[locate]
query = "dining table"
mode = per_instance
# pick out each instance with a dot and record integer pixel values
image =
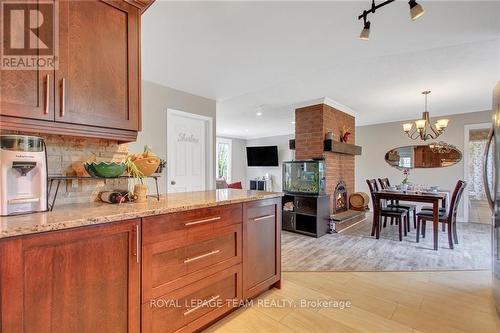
(430, 197)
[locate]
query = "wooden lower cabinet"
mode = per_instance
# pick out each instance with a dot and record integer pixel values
(175, 272)
(81, 280)
(261, 246)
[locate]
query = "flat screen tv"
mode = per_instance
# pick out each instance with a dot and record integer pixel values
(263, 156)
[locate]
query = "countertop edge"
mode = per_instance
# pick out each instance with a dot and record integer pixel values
(121, 216)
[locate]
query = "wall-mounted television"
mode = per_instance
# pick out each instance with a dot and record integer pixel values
(262, 156)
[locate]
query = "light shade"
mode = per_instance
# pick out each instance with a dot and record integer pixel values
(420, 124)
(442, 123)
(407, 127)
(416, 10)
(365, 33)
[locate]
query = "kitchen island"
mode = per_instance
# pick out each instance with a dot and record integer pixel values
(174, 265)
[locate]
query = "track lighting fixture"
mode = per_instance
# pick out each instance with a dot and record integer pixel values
(416, 10)
(365, 33)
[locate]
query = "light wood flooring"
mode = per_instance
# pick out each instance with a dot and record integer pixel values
(430, 302)
(356, 250)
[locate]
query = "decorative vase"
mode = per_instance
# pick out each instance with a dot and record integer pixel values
(404, 187)
(140, 192)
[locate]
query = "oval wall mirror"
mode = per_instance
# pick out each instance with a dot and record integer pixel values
(434, 155)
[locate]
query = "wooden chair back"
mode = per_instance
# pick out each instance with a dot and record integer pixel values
(455, 200)
(372, 185)
(384, 183)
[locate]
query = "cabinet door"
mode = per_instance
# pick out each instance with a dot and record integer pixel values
(98, 78)
(27, 93)
(85, 280)
(261, 246)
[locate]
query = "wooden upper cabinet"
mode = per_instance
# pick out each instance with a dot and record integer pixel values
(97, 82)
(95, 89)
(27, 94)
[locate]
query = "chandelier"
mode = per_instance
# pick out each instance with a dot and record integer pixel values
(423, 128)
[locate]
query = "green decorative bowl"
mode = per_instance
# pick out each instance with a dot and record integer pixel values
(105, 169)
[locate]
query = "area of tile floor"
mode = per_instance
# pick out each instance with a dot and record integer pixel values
(356, 250)
(479, 212)
(430, 302)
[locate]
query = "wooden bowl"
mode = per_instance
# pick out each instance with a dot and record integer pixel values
(147, 165)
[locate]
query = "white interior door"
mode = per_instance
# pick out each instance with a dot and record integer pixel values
(187, 157)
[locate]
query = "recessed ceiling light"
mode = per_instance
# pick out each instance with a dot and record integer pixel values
(259, 114)
(246, 129)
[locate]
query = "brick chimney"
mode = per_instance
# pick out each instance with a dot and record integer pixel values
(312, 123)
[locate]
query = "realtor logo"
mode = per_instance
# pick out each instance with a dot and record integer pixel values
(29, 33)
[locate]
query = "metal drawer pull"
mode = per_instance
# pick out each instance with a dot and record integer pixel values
(137, 244)
(202, 305)
(47, 95)
(23, 200)
(63, 97)
(263, 217)
(201, 256)
(202, 221)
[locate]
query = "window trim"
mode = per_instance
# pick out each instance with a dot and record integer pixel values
(229, 142)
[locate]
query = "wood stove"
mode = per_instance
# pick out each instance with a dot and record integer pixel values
(340, 203)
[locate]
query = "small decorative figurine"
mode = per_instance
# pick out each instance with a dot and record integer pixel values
(344, 136)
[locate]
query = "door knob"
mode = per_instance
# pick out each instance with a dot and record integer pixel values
(172, 182)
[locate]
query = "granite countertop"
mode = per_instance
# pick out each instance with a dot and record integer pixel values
(77, 215)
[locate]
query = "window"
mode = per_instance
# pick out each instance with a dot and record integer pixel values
(405, 162)
(224, 159)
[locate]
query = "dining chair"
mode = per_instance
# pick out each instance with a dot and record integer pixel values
(441, 210)
(449, 218)
(411, 208)
(399, 214)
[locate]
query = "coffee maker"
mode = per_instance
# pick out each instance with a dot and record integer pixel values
(23, 174)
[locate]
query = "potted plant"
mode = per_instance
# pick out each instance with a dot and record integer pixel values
(140, 190)
(405, 182)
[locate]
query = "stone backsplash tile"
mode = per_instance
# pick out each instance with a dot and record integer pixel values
(66, 154)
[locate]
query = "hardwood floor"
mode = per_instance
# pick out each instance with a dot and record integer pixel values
(355, 250)
(429, 302)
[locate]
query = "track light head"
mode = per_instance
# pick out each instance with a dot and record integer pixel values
(416, 10)
(365, 33)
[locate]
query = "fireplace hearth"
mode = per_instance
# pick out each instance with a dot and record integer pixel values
(340, 198)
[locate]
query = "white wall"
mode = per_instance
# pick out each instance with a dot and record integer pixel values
(376, 140)
(156, 99)
(284, 154)
(238, 161)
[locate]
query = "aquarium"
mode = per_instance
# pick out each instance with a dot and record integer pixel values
(304, 177)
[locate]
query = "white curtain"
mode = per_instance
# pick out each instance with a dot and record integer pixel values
(475, 182)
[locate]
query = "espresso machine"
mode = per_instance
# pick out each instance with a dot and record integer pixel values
(23, 174)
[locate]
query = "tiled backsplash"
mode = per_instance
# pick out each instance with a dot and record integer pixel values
(66, 154)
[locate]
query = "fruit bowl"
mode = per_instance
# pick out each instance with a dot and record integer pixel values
(147, 165)
(105, 169)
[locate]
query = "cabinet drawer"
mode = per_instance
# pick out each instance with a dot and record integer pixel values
(167, 266)
(190, 308)
(187, 227)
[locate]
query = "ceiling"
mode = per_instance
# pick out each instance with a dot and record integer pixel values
(266, 57)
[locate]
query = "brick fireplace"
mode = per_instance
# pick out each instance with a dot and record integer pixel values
(312, 123)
